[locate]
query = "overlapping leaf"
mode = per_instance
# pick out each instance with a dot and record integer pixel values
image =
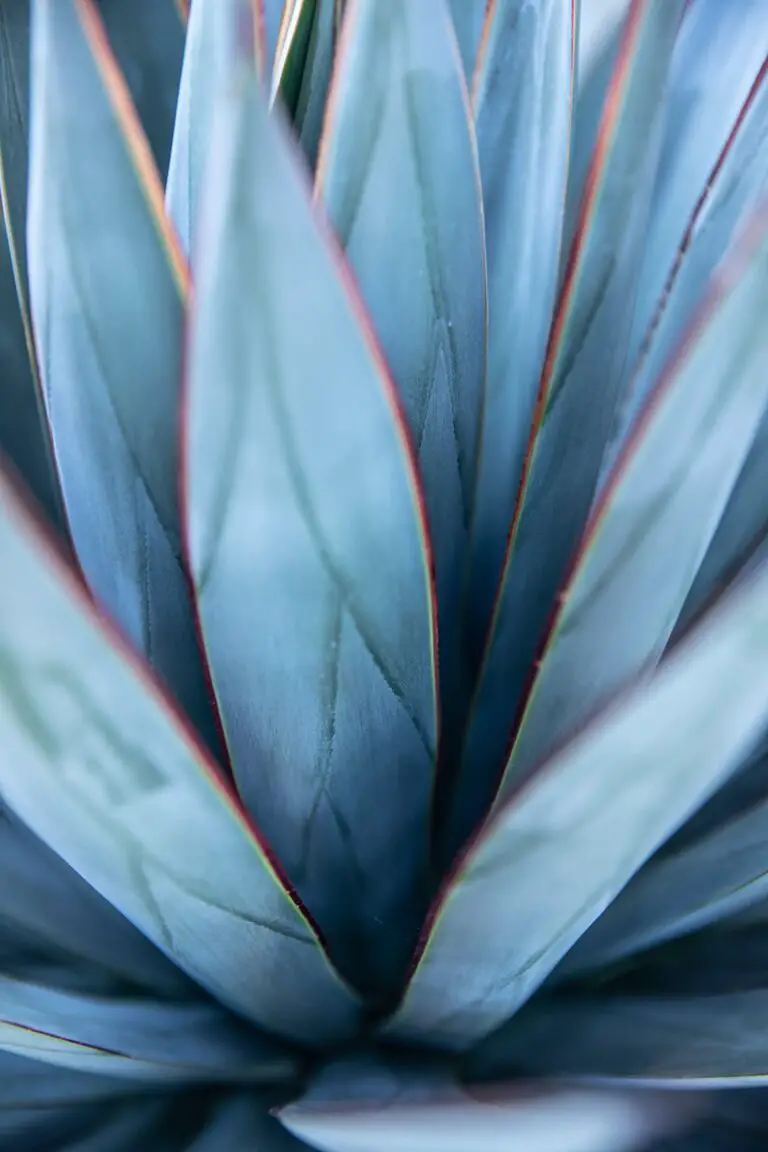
(557, 853)
(308, 551)
(398, 175)
(108, 288)
(712, 1041)
(125, 797)
(577, 394)
(24, 434)
(522, 95)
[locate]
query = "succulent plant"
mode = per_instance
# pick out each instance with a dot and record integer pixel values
(383, 596)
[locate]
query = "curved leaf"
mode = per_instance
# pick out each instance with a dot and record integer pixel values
(721, 49)
(707, 1042)
(718, 877)
(578, 388)
(359, 1107)
(42, 899)
(108, 288)
(522, 99)
(398, 147)
(147, 38)
(558, 852)
(308, 553)
(665, 496)
(99, 767)
(35, 1085)
(208, 58)
(167, 1040)
(24, 432)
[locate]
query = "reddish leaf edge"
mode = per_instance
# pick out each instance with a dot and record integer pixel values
(366, 327)
(719, 288)
(30, 525)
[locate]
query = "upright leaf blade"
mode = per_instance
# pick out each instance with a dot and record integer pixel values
(558, 852)
(308, 553)
(665, 496)
(24, 432)
(468, 26)
(578, 388)
(109, 290)
(398, 147)
(522, 96)
(97, 765)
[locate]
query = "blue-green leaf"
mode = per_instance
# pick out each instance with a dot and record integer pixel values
(578, 388)
(316, 78)
(242, 1121)
(664, 497)
(148, 1039)
(27, 1083)
(719, 876)
(398, 175)
(98, 766)
(721, 49)
(292, 51)
(367, 1106)
(522, 101)
(43, 900)
(558, 852)
(689, 1042)
(273, 15)
(24, 433)
(308, 551)
(468, 16)
(207, 63)
(108, 288)
(147, 37)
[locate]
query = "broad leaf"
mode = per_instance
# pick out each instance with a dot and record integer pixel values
(147, 37)
(168, 1040)
(398, 147)
(558, 852)
(522, 99)
(690, 1042)
(369, 1107)
(99, 767)
(308, 551)
(108, 288)
(665, 496)
(718, 877)
(24, 433)
(43, 901)
(578, 388)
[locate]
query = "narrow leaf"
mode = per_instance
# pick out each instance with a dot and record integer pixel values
(99, 767)
(308, 552)
(522, 97)
(468, 25)
(273, 15)
(242, 1121)
(721, 49)
(316, 78)
(398, 147)
(578, 387)
(147, 38)
(718, 877)
(184, 1040)
(108, 288)
(24, 432)
(292, 51)
(27, 1083)
(709, 1042)
(557, 853)
(665, 496)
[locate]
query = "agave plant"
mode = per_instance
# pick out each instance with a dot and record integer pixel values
(383, 596)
